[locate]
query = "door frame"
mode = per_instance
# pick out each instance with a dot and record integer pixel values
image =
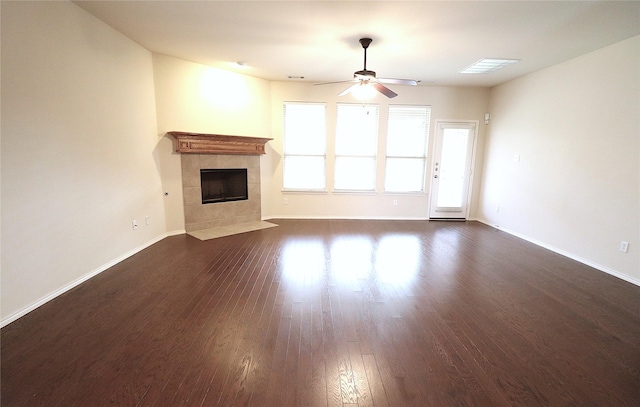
(472, 164)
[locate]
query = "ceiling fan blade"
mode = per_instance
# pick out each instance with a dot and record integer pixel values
(384, 90)
(349, 89)
(394, 81)
(332, 83)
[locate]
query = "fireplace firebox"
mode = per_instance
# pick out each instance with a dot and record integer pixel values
(223, 185)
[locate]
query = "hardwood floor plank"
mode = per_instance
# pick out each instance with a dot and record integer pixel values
(378, 394)
(279, 347)
(333, 313)
(313, 344)
(363, 389)
(331, 356)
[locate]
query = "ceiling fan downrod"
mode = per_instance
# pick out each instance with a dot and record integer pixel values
(365, 42)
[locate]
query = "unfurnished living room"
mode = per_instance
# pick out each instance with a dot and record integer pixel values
(312, 203)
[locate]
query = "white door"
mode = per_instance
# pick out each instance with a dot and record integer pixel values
(451, 170)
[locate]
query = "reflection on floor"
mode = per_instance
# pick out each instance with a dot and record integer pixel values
(207, 234)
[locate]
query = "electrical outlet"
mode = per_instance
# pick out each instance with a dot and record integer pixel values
(147, 220)
(497, 209)
(395, 202)
(624, 247)
(285, 201)
(135, 225)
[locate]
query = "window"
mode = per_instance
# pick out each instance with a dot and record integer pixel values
(304, 147)
(407, 137)
(356, 147)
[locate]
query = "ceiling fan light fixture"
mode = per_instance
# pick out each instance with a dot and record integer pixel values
(363, 91)
(487, 65)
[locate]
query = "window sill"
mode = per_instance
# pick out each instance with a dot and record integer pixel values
(353, 192)
(305, 191)
(420, 193)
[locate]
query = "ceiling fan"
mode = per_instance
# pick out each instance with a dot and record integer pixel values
(366, 78)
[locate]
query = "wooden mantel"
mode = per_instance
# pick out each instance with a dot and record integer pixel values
(201, 143)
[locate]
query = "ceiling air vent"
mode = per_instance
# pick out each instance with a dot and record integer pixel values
(488, 65)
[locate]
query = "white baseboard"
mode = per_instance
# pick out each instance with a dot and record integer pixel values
(175, 233)
(340, 218)
(84, 278)
(566, 254)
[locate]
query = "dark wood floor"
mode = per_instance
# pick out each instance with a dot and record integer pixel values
(334, 313)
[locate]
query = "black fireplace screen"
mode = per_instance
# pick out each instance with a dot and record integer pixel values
(222, 185)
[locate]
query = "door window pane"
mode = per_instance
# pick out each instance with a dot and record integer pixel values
(452, 167)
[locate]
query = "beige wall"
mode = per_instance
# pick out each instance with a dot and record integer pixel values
(447, 103)
(196, 98)
(576, 188)
(79, 159)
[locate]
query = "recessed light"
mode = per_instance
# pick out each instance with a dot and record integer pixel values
(489, 65)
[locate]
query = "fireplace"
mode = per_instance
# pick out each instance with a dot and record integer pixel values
(223, 185)
(199, 215)
(219, 155)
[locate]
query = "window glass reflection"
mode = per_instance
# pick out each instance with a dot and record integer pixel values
(302, 260)
(398, 258)
(351, 258)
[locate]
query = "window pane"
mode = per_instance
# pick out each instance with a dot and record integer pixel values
(356, 147)
(304, 146)
(355, 173)
(407, 140)
(304, 172)
(408, 131)
(357, 130)
(408, 137)
(304, 128)
(404, 175)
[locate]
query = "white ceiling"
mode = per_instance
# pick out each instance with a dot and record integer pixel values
(430, 41)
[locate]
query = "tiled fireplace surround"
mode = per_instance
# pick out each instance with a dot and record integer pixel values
(198, 216)
(213, 215)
